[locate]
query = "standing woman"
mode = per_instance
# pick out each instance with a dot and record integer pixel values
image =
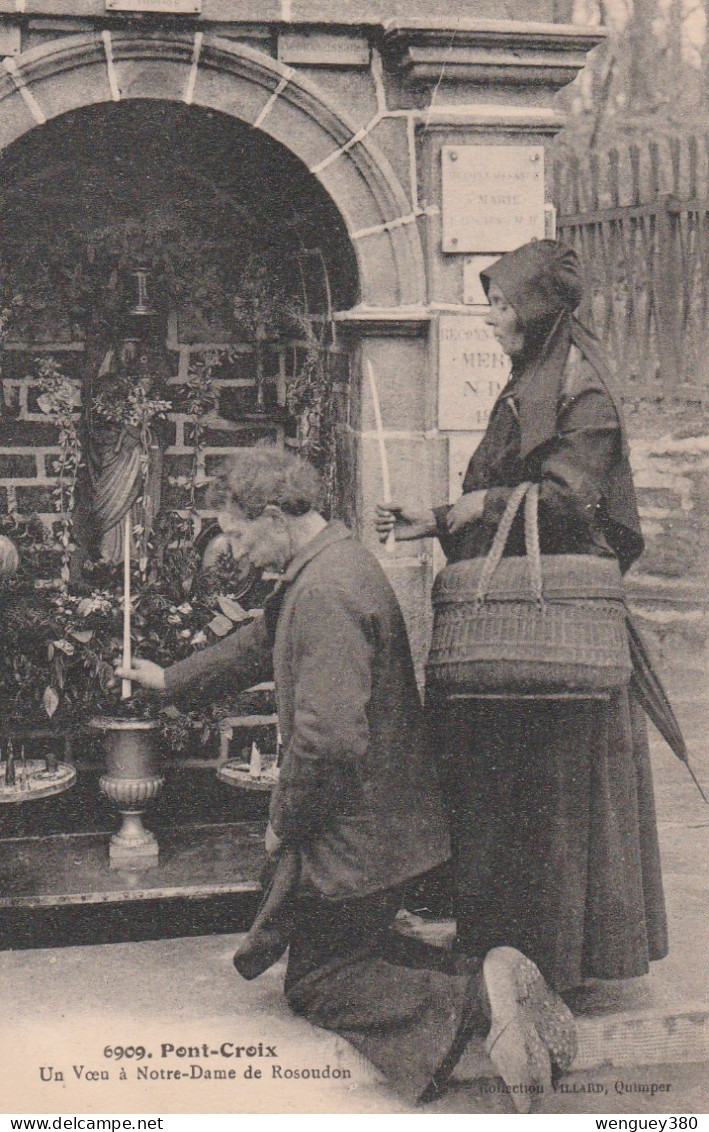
(551, 803)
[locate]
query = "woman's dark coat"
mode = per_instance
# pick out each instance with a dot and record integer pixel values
(551, 804)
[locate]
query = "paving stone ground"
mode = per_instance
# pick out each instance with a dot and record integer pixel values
(64, 1008)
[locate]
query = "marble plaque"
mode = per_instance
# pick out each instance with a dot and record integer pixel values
(492, 197)
(472, 370)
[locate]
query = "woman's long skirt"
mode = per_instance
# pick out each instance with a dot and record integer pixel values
(554, 834)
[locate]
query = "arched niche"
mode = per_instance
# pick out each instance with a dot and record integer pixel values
(192, 187)
(220, 75)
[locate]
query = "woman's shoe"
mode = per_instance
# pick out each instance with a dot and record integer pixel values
(528, 1023)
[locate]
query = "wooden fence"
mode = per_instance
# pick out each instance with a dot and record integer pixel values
(639, 218)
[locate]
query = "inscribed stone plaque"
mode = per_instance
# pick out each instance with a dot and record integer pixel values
(493, 197)
(472, 370)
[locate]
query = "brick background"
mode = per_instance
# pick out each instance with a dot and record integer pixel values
(29, 443)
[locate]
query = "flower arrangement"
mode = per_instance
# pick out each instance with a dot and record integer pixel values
(61, 646)
(63, 640)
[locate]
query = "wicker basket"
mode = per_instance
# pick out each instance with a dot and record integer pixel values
(528, 625)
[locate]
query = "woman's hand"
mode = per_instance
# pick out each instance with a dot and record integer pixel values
(405, 522)
(465, 511)
(144, 672)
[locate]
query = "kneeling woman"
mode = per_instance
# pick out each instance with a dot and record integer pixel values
(551, 803)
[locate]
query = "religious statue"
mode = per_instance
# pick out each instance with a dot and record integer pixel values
(117, 450)
(123, 451)
(122, 406)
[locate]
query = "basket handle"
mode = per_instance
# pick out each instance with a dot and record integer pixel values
(530, 493)
(531, 541)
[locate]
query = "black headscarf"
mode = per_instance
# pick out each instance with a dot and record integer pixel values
(542, 281)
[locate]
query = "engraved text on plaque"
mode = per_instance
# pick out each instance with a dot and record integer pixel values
(472, 370)
(493, 197)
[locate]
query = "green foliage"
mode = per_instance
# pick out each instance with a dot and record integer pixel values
(78, 283)
(131, 402)
(260, 301)
(201, 397)
(311, 396)
(60, 399)
(60, 649)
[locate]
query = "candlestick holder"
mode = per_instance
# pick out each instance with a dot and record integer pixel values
(34, 779)
(143, 307)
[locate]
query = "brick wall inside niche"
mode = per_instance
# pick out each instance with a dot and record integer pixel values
(237, 421)
(29, 442)
(29, 447)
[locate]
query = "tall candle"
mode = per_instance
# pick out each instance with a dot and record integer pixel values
(126, 686)
(390, 545)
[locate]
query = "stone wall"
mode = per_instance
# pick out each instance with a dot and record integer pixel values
(365, 97)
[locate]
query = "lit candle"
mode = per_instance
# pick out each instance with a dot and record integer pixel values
(126, 686)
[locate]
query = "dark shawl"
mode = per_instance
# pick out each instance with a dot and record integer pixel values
(542, 281)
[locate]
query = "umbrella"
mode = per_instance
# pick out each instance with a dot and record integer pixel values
(651, 695)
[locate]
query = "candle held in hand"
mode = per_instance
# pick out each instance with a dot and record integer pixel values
(390, 544)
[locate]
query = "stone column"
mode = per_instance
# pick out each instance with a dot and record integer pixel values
(468, 83)
(395, 343)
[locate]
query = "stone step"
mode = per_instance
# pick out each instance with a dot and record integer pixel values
(644, 1038)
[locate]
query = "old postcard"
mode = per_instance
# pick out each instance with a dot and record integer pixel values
(353, 533)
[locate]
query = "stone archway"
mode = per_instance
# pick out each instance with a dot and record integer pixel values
(388, 327)
(220, 217)
(218, 74)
